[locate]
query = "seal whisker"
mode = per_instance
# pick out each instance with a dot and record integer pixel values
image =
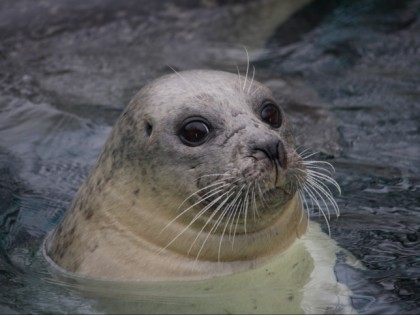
(326, 192)
(315, 185)
(256, 90)
(210, 175)
(303, 151)
(252, 79)
(217, 224)
(238, 204)
(323, 170)
(306, 154)
(308, 190)
(303, 208)
(196, 217)
(310, 163)
(312, 198)
(227, 209)
(236, 215)
(240, 211)
(218, 185)
(181, 76)
(254, 200)
(305, 205)
(233, 213)
(233, 205)
(315, 191)
(262, 197)
(319, 179)
(236, 211)
(209, 220)
(214, 226)
(247, 68)
(246, 203)
(239, 75)
(185, 80)
(215, 192)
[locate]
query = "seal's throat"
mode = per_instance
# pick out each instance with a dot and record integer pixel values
(229, 236)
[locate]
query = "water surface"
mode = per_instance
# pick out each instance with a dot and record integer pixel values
(352, 72)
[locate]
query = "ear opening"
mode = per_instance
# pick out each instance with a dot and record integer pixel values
(148, 128)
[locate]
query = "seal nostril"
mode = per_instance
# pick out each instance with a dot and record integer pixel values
(275, 151)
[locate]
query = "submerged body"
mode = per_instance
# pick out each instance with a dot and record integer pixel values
(300, 280)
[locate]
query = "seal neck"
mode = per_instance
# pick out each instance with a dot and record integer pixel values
(191, 240)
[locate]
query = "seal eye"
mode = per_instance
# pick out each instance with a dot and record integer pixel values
(271, 114)
(194, 133)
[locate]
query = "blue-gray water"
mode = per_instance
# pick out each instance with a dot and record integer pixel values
(67, 68)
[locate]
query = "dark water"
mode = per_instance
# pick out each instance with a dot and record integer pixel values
(352, 69)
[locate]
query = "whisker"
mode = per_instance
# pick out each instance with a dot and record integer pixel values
(316, 192)
(262, 197)
(246, 206)
(226, 210)
(318, 176)
(215, 192)
(242, 203)
(232, 204)
(306, 156)
(316, 186)
(317, 180)
(305, 207)
(238, 195)
(210, 175)
(214, 226)
(313, 199)
(217, 183)
(208, 221)
(239, 75)
(247, 68)
(186, 82)
(254, 200)
(196, 217)
(326, 193)
(319, 162)
(322, 170)
(252, 79)
(235, 212)
(181, 76)
(304, 204)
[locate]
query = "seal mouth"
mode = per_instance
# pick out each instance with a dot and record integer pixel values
(254, 193)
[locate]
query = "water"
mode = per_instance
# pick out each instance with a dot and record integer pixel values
(352, 71)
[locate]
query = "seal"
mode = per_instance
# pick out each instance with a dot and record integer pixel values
(198, 178)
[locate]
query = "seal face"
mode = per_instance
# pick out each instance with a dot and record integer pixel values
(198, 178)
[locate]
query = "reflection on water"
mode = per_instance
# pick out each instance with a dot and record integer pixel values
(353, 73)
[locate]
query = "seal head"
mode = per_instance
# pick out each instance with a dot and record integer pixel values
(198, 178)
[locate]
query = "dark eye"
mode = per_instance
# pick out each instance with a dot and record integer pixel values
(271, 114)
(194, 133)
